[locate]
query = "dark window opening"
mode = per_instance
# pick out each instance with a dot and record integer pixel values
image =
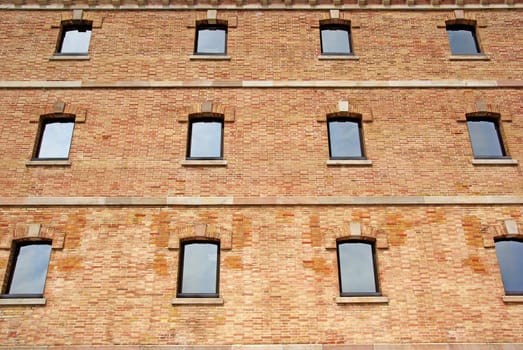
(198, 270)
(357, 268)
(54, 139)
(485, 138)
(74, 39)
(27, 274)
(211, 39)
(205, 139)
(510, 258)
(335, 39)
(345, 138)
(462, 39)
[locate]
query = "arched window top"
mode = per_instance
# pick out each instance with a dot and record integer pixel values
(484, 114)
(461, 21)
(206, 115)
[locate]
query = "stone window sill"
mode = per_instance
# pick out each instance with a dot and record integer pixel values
(349, 162)
(197, 301)
(469, 58)
(48, 163)
(362, 300)
(338, 57)
(23, 301)
(203, 162)
(513, 299)
(210, 57)
(69, 58)
(494, 162)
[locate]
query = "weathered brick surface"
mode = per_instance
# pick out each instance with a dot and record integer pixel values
(156, 45)
(113, 281)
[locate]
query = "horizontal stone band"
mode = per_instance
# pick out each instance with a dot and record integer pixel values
(257, 201)
(176, 84)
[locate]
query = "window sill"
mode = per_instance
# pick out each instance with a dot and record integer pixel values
(23, 301)
(48, 163)
(513, 298)
(197, 301)
(350, 162)
(338, 57)
(210, 57)
(362, 300)
(69, 58)
(203, 162)
(494, 162)
(479, 57)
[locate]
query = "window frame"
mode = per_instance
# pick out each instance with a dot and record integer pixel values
(351, 119)
(205, 118)
(372, 244)
(508, 239)
(50, 119)
(495, 120)
(69, 25)
(337, 25)
(179, 285)
(219, 25)
(11, 268)
(468, 25)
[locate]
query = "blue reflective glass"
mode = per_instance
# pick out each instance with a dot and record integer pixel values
(30, 269)
(56, 140)
(206, 139)
(344, 139)
(335, 41)
(485, 138)
(200, 268)
(510, 258)
(356, 268)
(462, 39)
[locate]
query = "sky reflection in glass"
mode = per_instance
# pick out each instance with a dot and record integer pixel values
(76, 42)
(462, 40)
(211, 41)
(56, 140)
(30, 269)
(335, 41)
(344, 138)
(200, 262)
(510, 257)
(356, 265)
(206, 139)
(484, 138)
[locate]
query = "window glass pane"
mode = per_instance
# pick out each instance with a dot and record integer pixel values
(462, 40)
(200, 262)
(344, 138)
(510, 257)
(30, 269)
(76, 41)
(484, 138)
(335, 41)
(56, 140)
(356, 268)
(206, 139)
(211, 41)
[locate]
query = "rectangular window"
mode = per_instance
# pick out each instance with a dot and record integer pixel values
(335, 39)
(485, 138)
(357, 268)
(462, 39)
(198, 272)
(205, 139)
(345, 141)
(54, 139)
(510, 258)
(75, 37)
(27, 275)
(211, 39)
